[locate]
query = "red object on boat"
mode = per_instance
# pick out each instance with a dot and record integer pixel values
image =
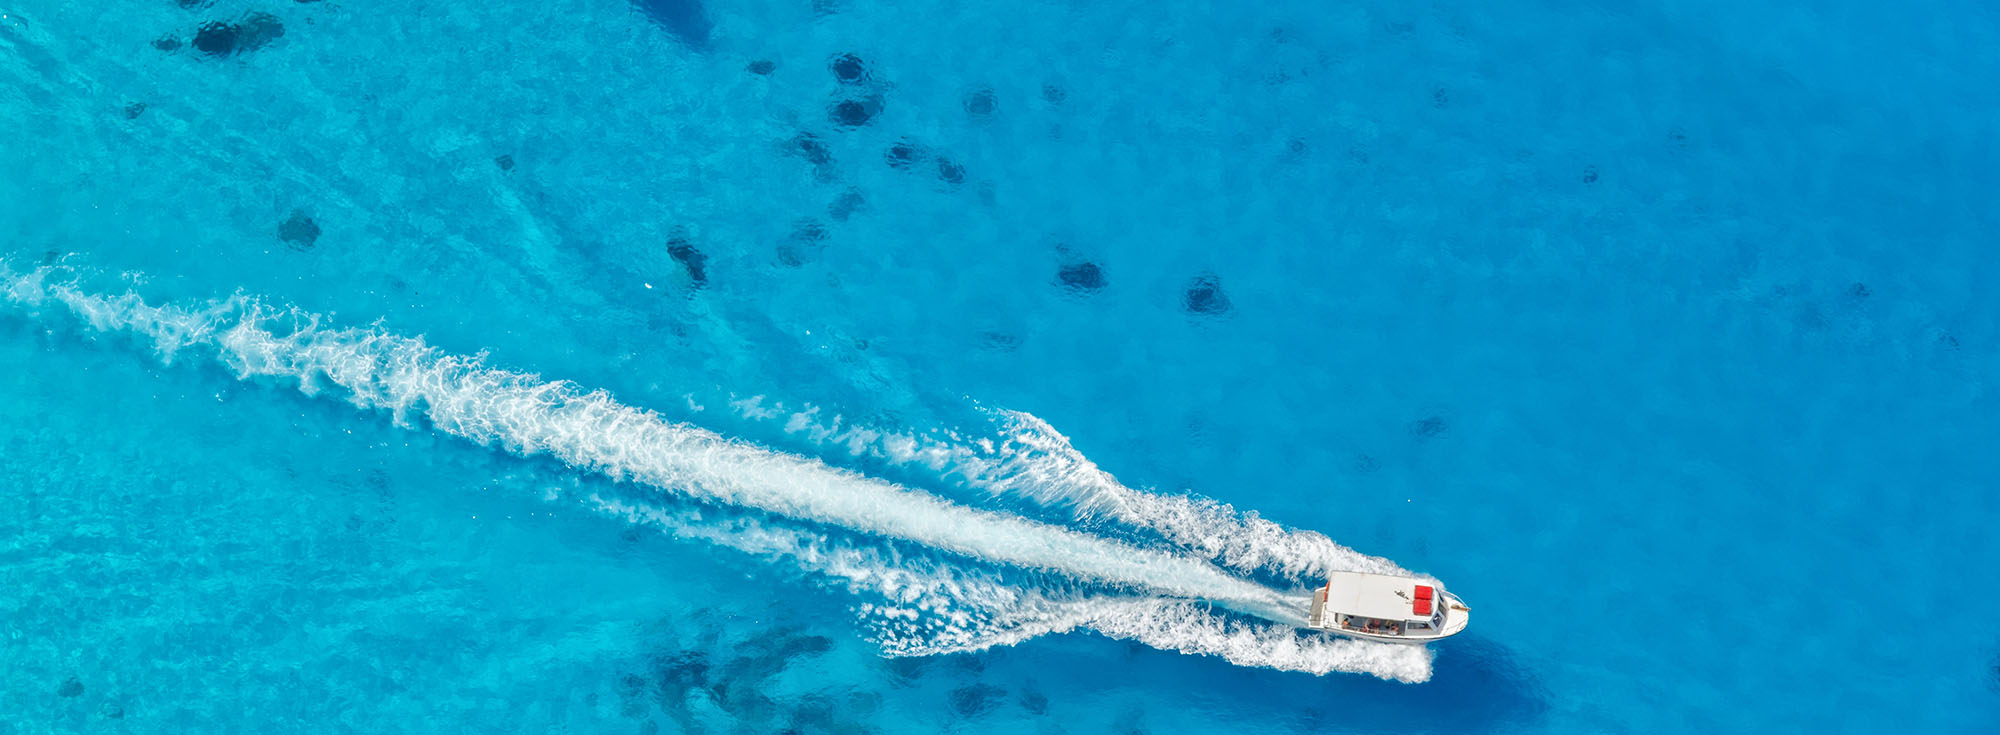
(1423, 592)
(1421, 606)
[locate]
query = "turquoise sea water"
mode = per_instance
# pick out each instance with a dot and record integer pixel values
(842, 367)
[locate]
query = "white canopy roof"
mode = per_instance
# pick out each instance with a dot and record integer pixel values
(1372, 595)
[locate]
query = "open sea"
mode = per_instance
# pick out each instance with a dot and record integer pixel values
(836, 366)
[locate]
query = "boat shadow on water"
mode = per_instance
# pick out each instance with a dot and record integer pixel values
(1478, 685)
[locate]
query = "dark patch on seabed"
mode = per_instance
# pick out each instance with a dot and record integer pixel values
(845, 205)
(950, 171)
(686, 20)
(848, 68)
(1082, 277)
(693, 260)
(811, 148)
(1130, 722)
(977, 699)
(735, 685)
(905, 670)
(808, 238)
(299, 231)
(903, 153)
(255, 31)
(999, 341)
(1054, 95)
(1035, 702)
(980, 103)
(1429, 427)
(854, 113)
(1204, 295)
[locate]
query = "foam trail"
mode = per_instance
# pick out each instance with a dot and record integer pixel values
(589, 430)
(919, 605)
(922, 603)
(928, 608)
(1030, 460)
(1178, 625)
(1036, 461)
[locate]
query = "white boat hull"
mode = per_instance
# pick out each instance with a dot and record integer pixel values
(1456, 615)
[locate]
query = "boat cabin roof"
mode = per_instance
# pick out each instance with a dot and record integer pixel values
(1374, 595)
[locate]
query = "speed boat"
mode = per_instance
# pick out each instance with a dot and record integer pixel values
(1386, 608)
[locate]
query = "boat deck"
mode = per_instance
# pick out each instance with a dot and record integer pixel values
(1384, 608)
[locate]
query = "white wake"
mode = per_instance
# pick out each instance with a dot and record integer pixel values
(1155, 597)
(927, 608)
(1026, 458)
